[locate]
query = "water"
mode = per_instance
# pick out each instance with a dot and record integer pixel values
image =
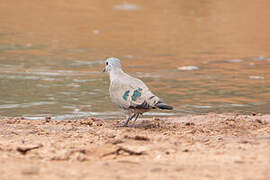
(199, 56)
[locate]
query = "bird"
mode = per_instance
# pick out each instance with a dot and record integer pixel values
(130, 94)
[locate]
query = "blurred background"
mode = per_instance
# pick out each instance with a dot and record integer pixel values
(199, 56)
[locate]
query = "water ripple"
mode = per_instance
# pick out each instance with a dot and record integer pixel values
(25, 105)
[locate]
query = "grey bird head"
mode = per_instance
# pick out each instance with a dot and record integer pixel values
(112, 63)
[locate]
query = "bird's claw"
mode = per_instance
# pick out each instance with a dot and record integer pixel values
(123, 125)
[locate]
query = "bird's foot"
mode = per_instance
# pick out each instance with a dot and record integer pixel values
(123, 125)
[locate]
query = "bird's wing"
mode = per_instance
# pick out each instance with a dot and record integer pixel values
(128, 92)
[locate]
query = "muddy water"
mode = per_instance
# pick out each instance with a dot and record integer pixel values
(199, 56)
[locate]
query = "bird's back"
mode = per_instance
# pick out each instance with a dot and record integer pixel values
(129, 92)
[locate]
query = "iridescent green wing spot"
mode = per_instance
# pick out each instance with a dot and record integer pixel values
(136, 94)
(125, 96)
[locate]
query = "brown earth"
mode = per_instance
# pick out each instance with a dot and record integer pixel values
(211, 146)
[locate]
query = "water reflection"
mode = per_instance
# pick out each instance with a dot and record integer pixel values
(199, 56)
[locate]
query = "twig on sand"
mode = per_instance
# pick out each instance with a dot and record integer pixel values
(119, 149)
(24, 150)
(138, 138)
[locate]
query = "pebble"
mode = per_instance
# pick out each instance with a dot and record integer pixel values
(30, 171)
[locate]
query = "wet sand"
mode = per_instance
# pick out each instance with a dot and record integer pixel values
(211, 146)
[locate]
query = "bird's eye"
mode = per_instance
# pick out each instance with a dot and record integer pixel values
(107, 63)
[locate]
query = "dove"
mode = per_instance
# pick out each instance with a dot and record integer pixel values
(129, 93)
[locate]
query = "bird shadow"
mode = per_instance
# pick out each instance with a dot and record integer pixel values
(143, 125)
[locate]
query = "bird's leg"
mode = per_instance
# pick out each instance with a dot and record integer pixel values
(128, 119)
(136, 117)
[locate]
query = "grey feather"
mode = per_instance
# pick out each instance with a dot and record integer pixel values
(129, 93)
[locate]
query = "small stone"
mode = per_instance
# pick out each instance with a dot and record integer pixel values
(48, 119)
(189, 124)
(185, 150)
(112, 136)
(239, 161)
(259, 121)
(99, 124)
(244, 142)
(155, 169)
(118, 141)
(30, 171)
(253, 114)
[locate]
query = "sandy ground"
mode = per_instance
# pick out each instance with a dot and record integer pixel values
(211, 146)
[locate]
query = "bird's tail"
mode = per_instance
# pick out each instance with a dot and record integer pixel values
(162, 105)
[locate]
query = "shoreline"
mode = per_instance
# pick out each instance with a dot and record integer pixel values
(210, 146)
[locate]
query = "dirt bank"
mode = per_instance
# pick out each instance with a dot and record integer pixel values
(211, 146)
